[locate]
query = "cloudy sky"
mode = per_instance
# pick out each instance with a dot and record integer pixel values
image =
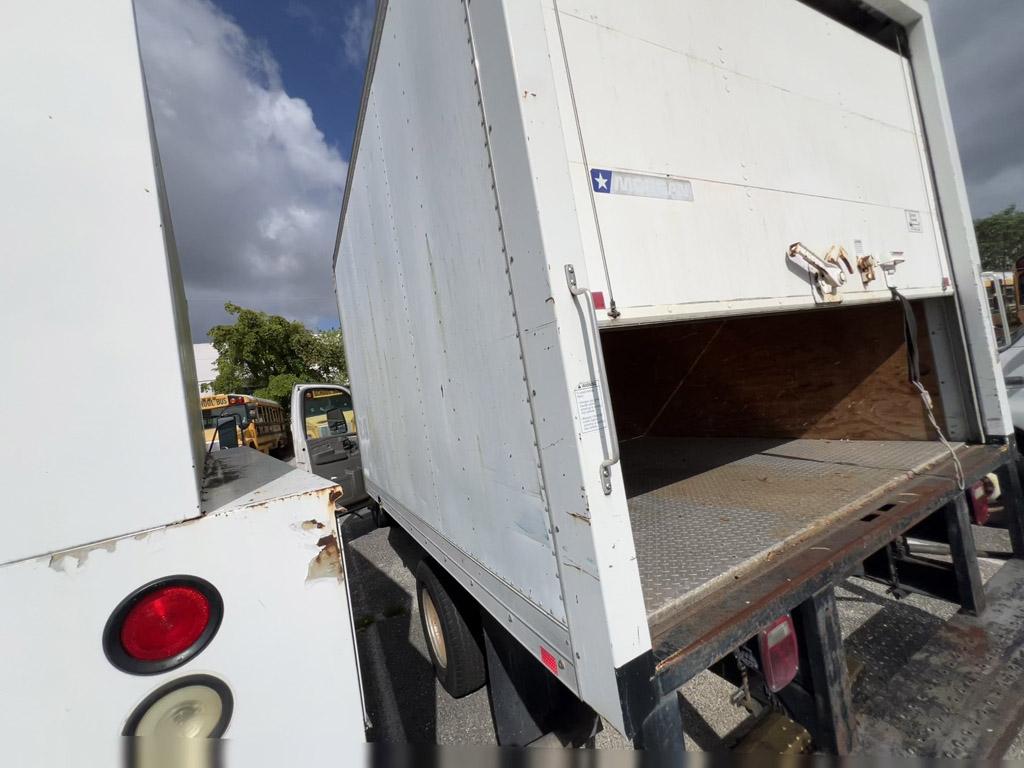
(983, 62)
(255, 102)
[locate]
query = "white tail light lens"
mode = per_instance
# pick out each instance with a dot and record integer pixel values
(780, 655)
(192, 712)
(192, 707)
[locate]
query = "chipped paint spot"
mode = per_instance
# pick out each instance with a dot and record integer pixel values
(327, 563)
(312, 525)
(60, 561)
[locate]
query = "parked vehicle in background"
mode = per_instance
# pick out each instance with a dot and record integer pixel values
(665, 319)
(153, 598)
(1003, 292)
(325, 439)
(259, 423)
(1007, 311)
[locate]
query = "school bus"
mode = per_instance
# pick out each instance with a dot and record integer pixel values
(259, 423)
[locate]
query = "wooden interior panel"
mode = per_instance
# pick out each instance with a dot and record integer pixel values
(839, 373)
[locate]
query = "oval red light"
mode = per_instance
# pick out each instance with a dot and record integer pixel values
(164, 623)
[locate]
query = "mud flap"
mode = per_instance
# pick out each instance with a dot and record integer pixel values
(527, 702)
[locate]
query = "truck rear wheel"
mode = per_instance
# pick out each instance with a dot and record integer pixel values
(451, 625)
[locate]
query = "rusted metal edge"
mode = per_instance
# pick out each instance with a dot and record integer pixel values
(727, 617)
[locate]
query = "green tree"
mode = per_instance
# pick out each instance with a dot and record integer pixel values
(280, 387)
(1001, 239)
(267, 355)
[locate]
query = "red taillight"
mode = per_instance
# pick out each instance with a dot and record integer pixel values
(780, 656)
(548, 659)
(978, 496)
(598, 299)
(164, 623)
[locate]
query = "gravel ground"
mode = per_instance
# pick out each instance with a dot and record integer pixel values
(407, 705)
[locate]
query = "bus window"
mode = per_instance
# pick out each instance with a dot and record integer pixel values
(318, 412)
(212, 416)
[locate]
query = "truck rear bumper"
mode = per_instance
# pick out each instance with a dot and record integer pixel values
(801, 581)
(728, 616)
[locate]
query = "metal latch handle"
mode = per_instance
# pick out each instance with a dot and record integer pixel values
(611, 454)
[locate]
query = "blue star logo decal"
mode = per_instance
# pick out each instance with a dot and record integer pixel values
(601, 180)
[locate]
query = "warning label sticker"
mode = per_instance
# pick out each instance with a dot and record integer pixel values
(588, 406)
(914, 221)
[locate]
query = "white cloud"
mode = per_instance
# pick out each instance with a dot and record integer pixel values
(254, 188)
(355, 37)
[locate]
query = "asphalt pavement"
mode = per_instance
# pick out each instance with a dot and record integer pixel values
(406, 704)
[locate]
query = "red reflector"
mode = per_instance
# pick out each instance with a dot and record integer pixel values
(598, 299)
(164, 623)
(978, 498)
(549, 660)
(780, 656)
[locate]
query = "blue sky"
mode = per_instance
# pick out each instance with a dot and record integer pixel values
(255, 102)
(321, 47)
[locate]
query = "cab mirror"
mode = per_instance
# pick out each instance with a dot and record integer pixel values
(227, 436)
(336, 421)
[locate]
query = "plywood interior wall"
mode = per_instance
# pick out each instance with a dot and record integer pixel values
(836, 373)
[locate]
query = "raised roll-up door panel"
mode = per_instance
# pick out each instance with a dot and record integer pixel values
(718, 133)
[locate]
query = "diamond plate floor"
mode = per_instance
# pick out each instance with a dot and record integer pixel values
(706, 510)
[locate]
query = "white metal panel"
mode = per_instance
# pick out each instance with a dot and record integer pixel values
(96, 349)
(789, 127)
(607, 623)
(443, 410)
(285, 647)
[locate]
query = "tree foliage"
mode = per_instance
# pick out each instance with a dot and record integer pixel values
(267, 355)
(1001, 239)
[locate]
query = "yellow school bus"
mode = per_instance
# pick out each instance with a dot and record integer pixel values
(259, 423)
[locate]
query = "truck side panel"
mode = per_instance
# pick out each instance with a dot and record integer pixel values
(600, 581)
(80, 224)
(442, 402)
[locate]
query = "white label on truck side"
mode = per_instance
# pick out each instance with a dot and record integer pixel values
(588, 406)
(914, 221)
(607, 182)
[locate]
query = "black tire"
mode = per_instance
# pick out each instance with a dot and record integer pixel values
(463, 669)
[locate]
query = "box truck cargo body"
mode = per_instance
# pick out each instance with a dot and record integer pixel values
(663, 317)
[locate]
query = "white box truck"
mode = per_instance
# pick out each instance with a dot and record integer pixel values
(663, 318)
(154, 596)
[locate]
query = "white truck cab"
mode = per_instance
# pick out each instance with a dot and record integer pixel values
(325, 438)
